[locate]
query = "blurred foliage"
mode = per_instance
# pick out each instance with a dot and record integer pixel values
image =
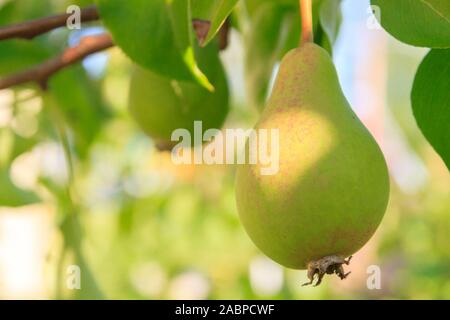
(141, 227)
(150, 27)
(419, 23)
(273, 31)
(430, 101)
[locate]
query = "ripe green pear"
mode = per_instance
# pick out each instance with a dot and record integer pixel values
(161, 105)
(332, 188)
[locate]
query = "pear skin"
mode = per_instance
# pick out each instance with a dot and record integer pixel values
(332, 188)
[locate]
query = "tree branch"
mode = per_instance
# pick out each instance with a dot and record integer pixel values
(42, 72)
(88, 45)
(33, 28)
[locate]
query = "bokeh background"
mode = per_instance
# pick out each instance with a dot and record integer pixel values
(142, 228)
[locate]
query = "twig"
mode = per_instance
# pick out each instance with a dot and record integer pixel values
(33, 28)
(202, 27)
(307, 21)
(42, 72)
(224, 34)
(88, 45)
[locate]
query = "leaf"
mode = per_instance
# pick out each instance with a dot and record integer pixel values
(15, 11)
(73, 233)
(156, 34)
(252, 6)
(321, 15)
(263, 44)
(182, 22)
(431, 101)
(81, 104)
(274, 30)
(292, 23)
(331, 18)
(422, 23)
(21, 145)
(17, 55)
(214, 11)
(11, 195)
(13, 145)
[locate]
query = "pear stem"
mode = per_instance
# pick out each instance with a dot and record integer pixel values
(307, 21)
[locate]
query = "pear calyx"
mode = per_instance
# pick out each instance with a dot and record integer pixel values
(327, 265)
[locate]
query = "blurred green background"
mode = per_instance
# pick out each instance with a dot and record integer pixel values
(140, 227)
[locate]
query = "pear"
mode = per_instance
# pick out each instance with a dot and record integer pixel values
(332, 187)
(161, 105)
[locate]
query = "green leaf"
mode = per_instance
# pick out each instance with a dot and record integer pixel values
(11, 195)
(22, 145)
(73, 233)
(13, 145)
(16, 11)
(274, 30)
(215, 11)
(182, 22)
(263, 44)
(292, 23)
(17, 55)
(322, 16)
(252, 6)
(331, 18)
(79, 101)
(156, 34)
(431, 100)
(422, 23)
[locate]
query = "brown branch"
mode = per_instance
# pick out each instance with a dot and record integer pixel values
(42, 72)
(33, 28)
(88, 45)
